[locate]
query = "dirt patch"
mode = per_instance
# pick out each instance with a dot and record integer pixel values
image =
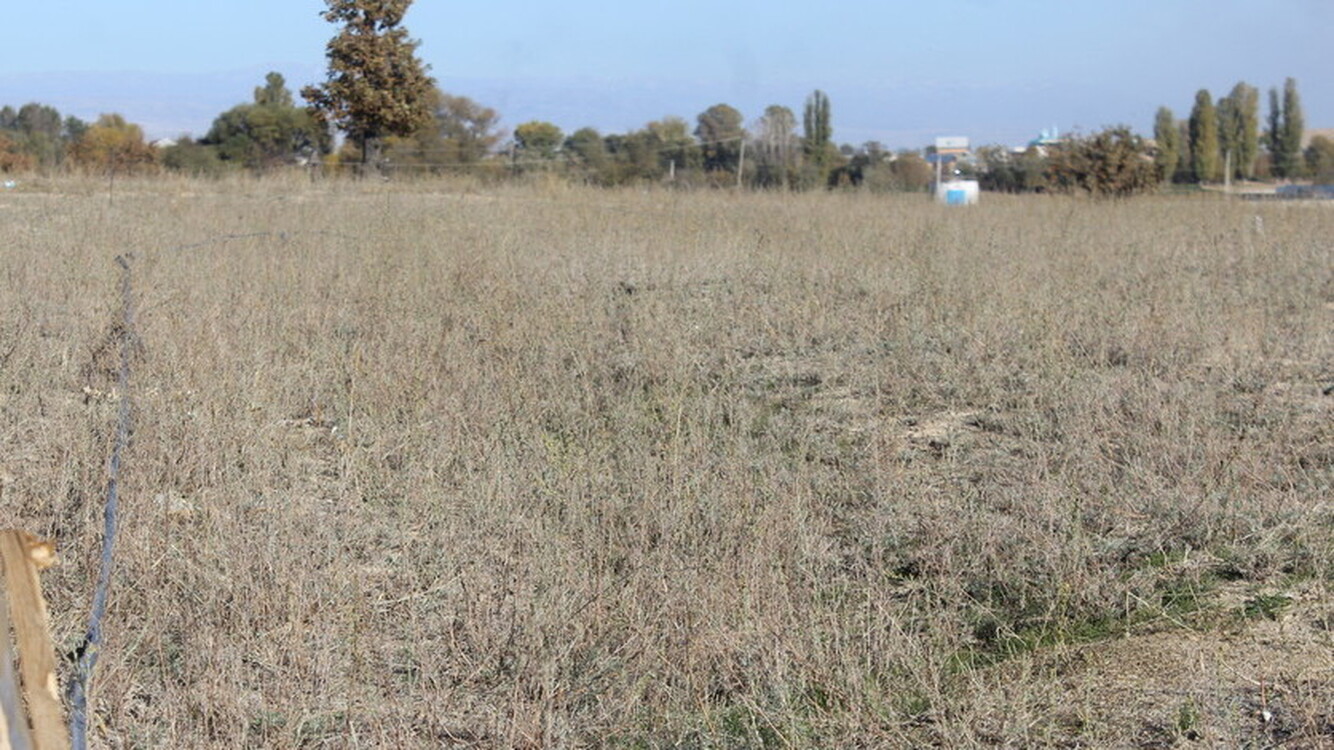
(1262, 682)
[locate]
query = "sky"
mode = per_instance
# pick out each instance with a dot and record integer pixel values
(901, 73)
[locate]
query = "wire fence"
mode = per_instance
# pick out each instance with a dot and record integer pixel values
(88, 652)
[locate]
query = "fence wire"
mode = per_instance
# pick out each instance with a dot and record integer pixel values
(88, 653)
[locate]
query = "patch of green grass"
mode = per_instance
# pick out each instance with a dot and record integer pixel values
(1188, 719)
(1266, 606)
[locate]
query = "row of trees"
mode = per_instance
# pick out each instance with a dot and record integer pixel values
(1224, 140)
(37, 137)
(393, 115)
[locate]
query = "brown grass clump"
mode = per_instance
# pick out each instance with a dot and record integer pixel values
(423, 465)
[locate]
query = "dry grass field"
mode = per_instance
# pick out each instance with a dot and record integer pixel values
(433, 465)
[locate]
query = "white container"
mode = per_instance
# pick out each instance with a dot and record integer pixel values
(957, 192)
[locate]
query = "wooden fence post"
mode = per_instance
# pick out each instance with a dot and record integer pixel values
(25, 609)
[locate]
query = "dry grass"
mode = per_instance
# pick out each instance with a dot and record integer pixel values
(515, 467)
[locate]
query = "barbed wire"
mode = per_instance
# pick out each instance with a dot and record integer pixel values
(92, 643)
(280, 235)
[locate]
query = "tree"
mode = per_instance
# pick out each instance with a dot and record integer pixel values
(818, 145)
(1183, 171)
(1007, 172)
(911, 172)
(1168, 138)
(586, 151)
(12, 158)
(73, 129)
(270, 131)
(538, 140)
(193, 158)
(1112, 163)
(1288, 159)
(37, 132)
(720, 134)
(1320, 160)
(662, 148)
(114, 145)
(274, 92)
(376, 86)
(468, 129)
(777, 153)
(459, 132)
(1204, 162)
(1238, 128)
(1274, 132)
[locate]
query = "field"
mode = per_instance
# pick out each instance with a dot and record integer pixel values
(424, 465)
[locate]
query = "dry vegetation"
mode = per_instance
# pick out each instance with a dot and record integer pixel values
(421, 465)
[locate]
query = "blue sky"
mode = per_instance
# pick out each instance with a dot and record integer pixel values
(896, 72)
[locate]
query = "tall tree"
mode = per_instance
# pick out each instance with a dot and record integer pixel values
(1275, 129)
(818, 145)
(274, 92)
(1168, 138)
(1183, 173)
(1289, 157)
(777, 142)
(1229, 134)
(1238, 129)
(376, 86)
(720, 135)
(1204, 161)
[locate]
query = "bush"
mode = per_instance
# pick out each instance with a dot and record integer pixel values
(1112, 163)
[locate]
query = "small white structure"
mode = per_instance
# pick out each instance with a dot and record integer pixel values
(957, 192)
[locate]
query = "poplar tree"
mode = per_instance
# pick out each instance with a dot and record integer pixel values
(1168, 137)
(1289, 157)
(1247, 104)
(376, 86)
(1238, 128)
(1204, 162)
(818, 143)
(1274, 132)
(777, 152)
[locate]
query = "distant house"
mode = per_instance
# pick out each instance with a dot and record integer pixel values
(950, 150)
(1047, 138)
(163, 143)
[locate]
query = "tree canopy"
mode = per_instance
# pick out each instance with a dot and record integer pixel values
(538, 139)
(269, 131)
(720, 133)
(1204, 154)
(376, 86)
(1167, 137)
(114, 145)
(1112, 163)
(818, 145)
